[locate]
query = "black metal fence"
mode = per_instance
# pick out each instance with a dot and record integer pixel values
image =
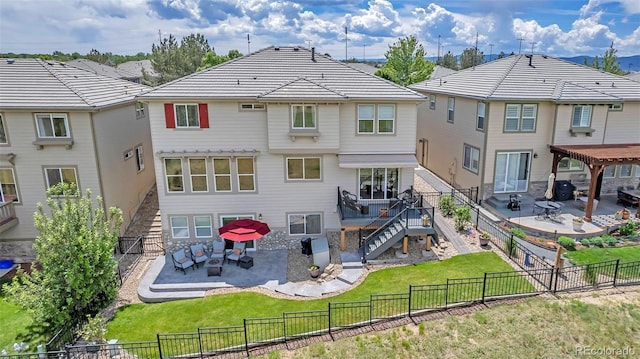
(255, 333)
(130, 250)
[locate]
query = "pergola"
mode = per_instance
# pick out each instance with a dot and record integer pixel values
(596, 157)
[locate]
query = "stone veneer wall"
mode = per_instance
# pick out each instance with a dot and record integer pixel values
(537, 189)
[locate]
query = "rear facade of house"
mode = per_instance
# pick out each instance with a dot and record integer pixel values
(273, 136)
(63, 124)
(491, 126)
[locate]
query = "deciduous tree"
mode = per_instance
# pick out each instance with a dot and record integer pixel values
(74, 249)
(405, 62)
(470, 57)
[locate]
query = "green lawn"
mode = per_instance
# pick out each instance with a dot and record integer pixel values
(13, 324)
(141, 322)
(593, 255)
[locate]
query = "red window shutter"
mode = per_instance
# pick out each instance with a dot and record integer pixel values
(203, 111)
(169, 115)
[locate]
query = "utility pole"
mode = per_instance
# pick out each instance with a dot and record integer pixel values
(533, 43)
(364, 47)
(346, 41)
(438, 60)
(475, 55)
(248, 44)
(491, 52)
(520, 46)
(159, 36)
(309, 41)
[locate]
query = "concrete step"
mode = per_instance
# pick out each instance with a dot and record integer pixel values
(352, 265)
(350, 275)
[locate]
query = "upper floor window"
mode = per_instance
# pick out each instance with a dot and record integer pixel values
(520, 117)
(303, 168)
(3, 133)
(59, 175)
(450, 108)
(198, 173)
(376, 118)
(222, 174)
(246, 174)
(482, 109)
(471, 158)
(581, 116)
(252, 106)
(303, 117)
(173, 172)
(186, 115)
(8, 188)
(432, 101)
(52, 125)
(139, 158)
(140, 110)
(615, 107)
(568, 164)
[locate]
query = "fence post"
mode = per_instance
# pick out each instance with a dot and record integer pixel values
(477, 217)
(370, 310)
(246, 338)
(200, 343)
(615, 273)
(484, 286)
(555, 283)
(329, 316)
(159, 346)
(446, 295)
(550, 278)
(409, 311)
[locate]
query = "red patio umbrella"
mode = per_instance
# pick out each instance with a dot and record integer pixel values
(242, 230)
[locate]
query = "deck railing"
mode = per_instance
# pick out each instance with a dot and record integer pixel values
(7, 212)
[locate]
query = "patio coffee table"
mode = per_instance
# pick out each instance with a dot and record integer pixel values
(214, 267)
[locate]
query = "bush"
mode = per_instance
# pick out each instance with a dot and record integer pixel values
(610, 241)
(512, 247)
(585, 242)
(567, 243)
(597, 241)
(518, 232)
(461, 217)
(447, 205)
(628, 229)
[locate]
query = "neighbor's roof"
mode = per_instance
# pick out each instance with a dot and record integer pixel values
(522, 77)
(634, 76)
(264, 74)
(439, 71)
(36, 84)
(135, 67)
(100, 69)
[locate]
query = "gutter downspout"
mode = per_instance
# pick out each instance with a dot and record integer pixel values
(97, 158)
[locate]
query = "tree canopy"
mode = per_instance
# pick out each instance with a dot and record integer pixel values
(470, 57)
(405, 62)
(172, 60)
(449, 61)
(609, 64)
(210, 58)
(74, 249)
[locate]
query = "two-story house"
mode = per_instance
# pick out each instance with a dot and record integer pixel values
(496, 126)
(272, 136)
(58, 124)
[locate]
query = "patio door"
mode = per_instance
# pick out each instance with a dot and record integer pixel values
(512, 172)
(249, 245)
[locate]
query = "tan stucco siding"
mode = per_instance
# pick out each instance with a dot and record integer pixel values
(30, 163)
(118, 131)
(623, 126)
(598, 122)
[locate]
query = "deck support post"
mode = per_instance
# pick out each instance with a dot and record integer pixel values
(343, 244)
(428, 242)
(405, 245)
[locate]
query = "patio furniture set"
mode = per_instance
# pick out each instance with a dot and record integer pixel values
(213, 259)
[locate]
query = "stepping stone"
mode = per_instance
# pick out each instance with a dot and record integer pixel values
(334, 286)
(350, 275)
(288, 288)
(308, 290)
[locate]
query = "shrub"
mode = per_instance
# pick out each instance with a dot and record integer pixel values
(461, 217)
(590, 274)
(610, 241)
(567, 243)
(585, 242)
(518, 232)
(597, 241)
(447, 205)
(628, 229)
(512, 247)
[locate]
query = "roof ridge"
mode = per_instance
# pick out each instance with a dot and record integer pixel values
(593, 90)
(504, 75)
(302, 78)
(64, 82)
(557, 90)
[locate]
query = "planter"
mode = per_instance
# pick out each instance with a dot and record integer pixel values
(426, 221)
(617, 216)
(625, 215)
(577, 226)
(484, 241)
(314, 273)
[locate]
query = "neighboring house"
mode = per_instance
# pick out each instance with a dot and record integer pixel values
(439, 71)
(137, 68)
(364, 67)
(635, 76)
(491, 126)
(106, 70)
(272, 136)
(58, 124)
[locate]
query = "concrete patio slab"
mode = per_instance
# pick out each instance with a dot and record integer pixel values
(289, 288)
(350, 276)
(334, 286)
(310, 290)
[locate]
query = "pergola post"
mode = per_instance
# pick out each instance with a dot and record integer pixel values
(595, 172)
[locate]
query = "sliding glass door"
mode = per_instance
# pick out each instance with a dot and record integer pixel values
(512, 172)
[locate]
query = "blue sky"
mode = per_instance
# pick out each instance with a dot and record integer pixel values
(553, 27)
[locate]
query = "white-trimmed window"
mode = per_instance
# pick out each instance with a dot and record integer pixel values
(246, 174)
(3, 132)
(58, 175)
(303, 117)
(615, 107)
(581, 116)
(140, 110)
(303, 168)
(52, 125)
(568, 164)
(305, 224)
(222, 174)
(637, 172)
(471, 158)
(173, 172)
(378, 183)
(198, 175)
(139, 158)
(376, 118)
(179, 227)
(451, 104)
(187, 116)
(252, 107)
(202, 225)
(8, 188)
(520, 117)
(482, 111)
(432, 101)
(625, 171)
(609, 172)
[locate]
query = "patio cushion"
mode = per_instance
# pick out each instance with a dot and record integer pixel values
(237, 251)
(182, 260)
(199, 253)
